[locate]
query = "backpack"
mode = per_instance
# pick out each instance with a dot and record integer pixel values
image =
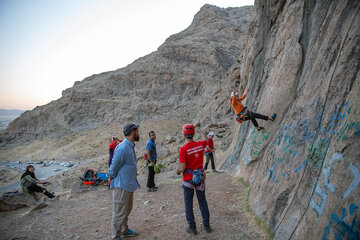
(197, 178)
(89, 177)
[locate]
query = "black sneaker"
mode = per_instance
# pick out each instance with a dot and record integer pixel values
(191, 230)
(155, 188)
(208, 229)
(151, 190)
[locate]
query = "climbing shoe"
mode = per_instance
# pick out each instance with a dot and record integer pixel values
(273, 117)
(208, 229)
(129, 233)
(49, 195)
(191, 230)
(259, 128)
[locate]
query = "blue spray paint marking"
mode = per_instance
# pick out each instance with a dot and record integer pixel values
(319, 208)
(300, 167)
(288, 149)
(323, 196)
(342, 229)
(253, 144)
(343, 134)
(326, 172)
(352, 209)
(338, 115)
(286, 153)
(355, 182)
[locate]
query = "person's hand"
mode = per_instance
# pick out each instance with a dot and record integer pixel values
(178, 172)
(247, 90)
(109, 181)
(152, 164)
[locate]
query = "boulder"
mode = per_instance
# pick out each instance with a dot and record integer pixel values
(15, 200)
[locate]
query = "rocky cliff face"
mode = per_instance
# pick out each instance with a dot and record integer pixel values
(177, 78)
(302, 62)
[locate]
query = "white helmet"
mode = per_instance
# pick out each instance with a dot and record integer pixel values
(236, 93)
(211, 134)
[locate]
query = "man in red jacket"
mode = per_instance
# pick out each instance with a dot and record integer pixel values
(191, 157)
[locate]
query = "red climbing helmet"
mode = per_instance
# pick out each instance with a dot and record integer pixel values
(188, 129)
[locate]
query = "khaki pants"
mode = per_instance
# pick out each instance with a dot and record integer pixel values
(122, 206)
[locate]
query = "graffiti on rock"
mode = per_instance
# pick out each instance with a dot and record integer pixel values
(341, 228)
(289, 147)
(319, 208)
(355, 182)
(288, 150)
(320, 191)
(253, 145)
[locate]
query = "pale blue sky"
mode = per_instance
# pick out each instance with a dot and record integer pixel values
(47, 45)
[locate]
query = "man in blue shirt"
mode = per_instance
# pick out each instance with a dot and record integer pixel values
(151, 159)
(122, 180)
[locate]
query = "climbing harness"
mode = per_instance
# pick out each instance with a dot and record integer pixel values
(242, 115)
(198, 179)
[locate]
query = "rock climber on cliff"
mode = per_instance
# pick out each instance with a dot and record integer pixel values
(243, 114)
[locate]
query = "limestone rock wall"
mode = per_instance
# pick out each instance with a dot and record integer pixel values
(302, 62)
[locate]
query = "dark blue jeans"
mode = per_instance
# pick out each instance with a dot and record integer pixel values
(188, 198)
(151, 177)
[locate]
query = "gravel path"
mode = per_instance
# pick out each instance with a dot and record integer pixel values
(87, 214)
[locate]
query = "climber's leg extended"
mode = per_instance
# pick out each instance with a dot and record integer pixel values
(253, 115)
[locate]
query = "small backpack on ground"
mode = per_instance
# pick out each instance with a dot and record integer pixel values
(89, 177)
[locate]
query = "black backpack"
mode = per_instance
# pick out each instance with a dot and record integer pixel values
(89, 177)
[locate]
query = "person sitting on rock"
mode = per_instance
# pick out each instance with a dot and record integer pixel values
(29, 182)
(243, 114)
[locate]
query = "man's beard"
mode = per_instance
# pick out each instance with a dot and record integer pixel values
(136, 138)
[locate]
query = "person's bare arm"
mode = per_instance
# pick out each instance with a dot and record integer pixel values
(109, 181)
(181, 168)
(201, 133)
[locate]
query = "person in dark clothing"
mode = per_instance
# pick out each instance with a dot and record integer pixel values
(151, 160)
(29, 182)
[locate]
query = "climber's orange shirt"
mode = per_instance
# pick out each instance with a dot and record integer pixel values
(237, 105)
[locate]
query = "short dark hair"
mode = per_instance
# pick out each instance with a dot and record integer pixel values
(129, 127)
(151, 133)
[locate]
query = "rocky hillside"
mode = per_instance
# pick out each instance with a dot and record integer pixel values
(177, 79)
(302, 62)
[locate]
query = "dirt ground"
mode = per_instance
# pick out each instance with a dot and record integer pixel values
(157, 215)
